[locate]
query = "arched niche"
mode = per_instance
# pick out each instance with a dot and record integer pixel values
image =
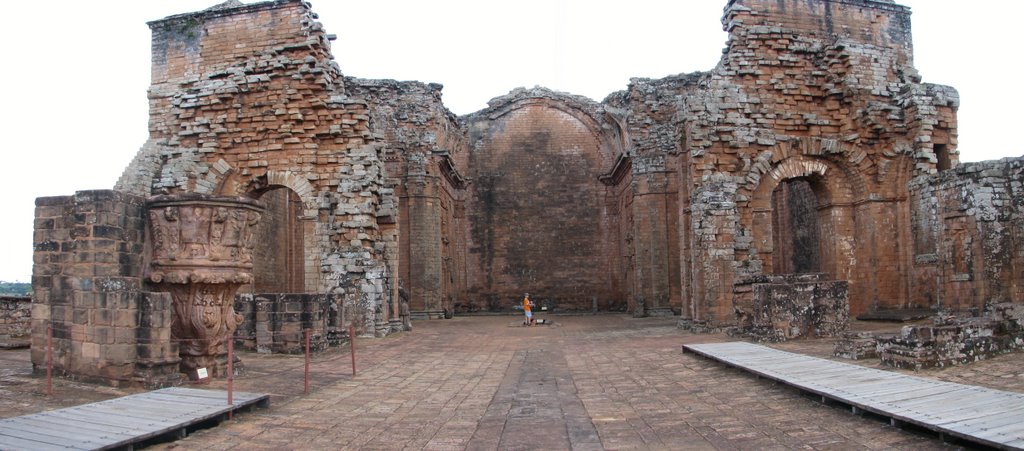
(283, 261)
(787, 242)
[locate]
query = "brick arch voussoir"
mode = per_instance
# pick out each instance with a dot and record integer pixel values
(836, 181)
(610, 145)
(258, 185)
(854, 163)
(297, 183)
(213, 182)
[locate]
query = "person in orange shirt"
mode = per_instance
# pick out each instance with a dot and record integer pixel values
(528, 310)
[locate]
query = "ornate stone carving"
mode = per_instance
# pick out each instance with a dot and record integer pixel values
(201, 252)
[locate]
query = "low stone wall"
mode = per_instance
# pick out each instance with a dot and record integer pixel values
(956, 340)
(86, 283)
(779, 308)
(276, 322)
(856, 346)
(15, 319)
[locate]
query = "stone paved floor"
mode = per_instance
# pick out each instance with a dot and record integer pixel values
(481, 383)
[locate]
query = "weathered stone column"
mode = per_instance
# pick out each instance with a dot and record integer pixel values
(715, 223)
(201, 252)
(656, 275)
(424, 246)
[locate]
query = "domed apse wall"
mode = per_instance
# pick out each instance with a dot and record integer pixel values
(538, 214)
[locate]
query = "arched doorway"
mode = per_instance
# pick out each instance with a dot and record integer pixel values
(279, 262)
(804, 220)
(795, 227)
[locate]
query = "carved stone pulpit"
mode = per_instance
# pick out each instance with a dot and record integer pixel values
(201, 252)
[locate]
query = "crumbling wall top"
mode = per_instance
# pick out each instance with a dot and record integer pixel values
(228, 8)
(604, 121)
(503, 104)
(875, 22)
(886, 5)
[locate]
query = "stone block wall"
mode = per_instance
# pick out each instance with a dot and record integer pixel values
(87, 285)
(856, 346)
(276, 323)
(782, 308)
(956, 340)
(15, 319)
(968, 225)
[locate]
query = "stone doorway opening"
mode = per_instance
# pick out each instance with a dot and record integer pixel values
(283, 301)
(805, 221)
(279, 262)
(795, 227)
(804, 226)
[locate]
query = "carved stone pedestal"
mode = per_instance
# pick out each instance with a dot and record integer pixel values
(201, 252)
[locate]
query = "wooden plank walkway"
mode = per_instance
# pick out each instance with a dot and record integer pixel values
(990, 417)
(122, 422)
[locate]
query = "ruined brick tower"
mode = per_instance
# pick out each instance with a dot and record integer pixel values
(810, 161)
(247, 101)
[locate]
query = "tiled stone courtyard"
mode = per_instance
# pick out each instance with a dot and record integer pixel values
(587, 382)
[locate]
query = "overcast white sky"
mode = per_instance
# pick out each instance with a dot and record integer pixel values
(75, 73)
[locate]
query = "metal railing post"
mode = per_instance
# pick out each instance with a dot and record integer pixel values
(352, 345)
(231, 376)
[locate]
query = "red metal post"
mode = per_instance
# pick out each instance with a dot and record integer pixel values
(352, 344)
(306, 390)
(49, 360)
(231, 376)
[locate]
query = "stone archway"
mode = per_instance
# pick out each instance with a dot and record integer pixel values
(796, 228)
(289, 263)
(826, 243)
(280, 263)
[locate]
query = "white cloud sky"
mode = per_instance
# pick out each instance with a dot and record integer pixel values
(75, 73)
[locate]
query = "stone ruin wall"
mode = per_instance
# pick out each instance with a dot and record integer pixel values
(968, 235)
(247, 99)
(658, 200)
(822, 91)
(87, 284)
(426, 144)
(15, 320)
(653, 201)
(539, 218)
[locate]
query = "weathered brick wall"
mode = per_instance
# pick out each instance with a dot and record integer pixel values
(657, 218)
(619, 201)
(87, 284)
(823, 91)
(15, 317)
(656, 287)
(246, 99)
(426, 145)
(968, 223)
(536, 211)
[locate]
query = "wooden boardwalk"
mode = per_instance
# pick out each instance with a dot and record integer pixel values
(990, 417)
(122, 422)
